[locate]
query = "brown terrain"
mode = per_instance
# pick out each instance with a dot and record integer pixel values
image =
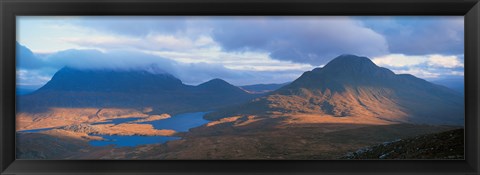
(245, 137)
(56, 117)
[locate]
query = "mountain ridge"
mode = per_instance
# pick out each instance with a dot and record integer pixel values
(104, 80)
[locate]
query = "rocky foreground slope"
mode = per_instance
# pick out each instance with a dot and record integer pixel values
(444, 145)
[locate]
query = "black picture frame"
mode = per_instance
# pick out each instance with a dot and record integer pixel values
(11, 8)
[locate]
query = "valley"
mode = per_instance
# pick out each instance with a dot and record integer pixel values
(327, 112)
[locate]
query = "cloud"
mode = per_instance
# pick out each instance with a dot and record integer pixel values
(420, 35)
(457, 73)
(189, 73)
(423, 66)
(186, 50)
(444, 61)
(422, 73)
(310, 40)
(31, 78)
(155, 42)
(133, 25)
(110, 42)
(401, 60)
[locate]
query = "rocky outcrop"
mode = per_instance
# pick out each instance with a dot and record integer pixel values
(82, 128)
(125, 129)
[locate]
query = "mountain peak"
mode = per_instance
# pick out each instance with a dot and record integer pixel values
(217, 80)
(351, 61)
(215, 83)
(352, 68)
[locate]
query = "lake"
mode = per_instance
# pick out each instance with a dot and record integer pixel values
(179, 123)
(36, 130)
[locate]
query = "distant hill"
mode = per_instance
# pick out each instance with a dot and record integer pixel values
(220, 86)
(354, 86)
(457, 84)
(101, 88)
(262, 88)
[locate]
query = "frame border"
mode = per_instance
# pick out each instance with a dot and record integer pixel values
(9, 9)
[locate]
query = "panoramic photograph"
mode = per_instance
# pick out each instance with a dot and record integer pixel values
(240, 87)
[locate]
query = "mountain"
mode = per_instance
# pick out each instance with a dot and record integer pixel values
(220, 86)
(126, 81)
(106, 88)
(28, 58)
(262, 88)
(221, 93)
(351, 86)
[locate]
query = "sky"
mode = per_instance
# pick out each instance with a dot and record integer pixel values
(240, 50)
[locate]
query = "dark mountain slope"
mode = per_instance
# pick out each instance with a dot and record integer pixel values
(79, 88)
